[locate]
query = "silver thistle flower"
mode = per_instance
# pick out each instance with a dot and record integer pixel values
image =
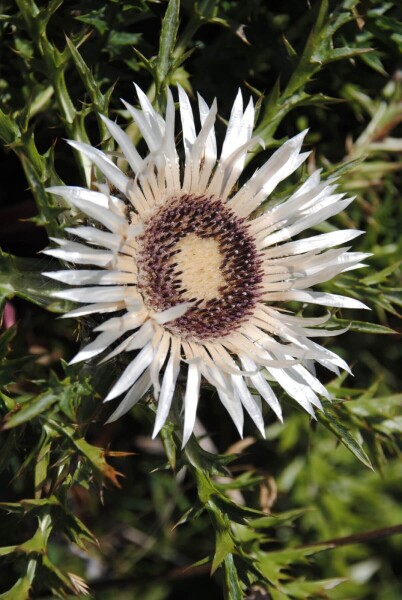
(200, 279)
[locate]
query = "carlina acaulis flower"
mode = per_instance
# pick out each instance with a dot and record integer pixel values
(197, 275)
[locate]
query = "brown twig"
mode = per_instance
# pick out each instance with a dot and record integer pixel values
(204, 570)
(357, 538)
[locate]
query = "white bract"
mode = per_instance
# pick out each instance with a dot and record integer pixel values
(197, 275)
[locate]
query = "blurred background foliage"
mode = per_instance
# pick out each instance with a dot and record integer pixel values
(313, 511)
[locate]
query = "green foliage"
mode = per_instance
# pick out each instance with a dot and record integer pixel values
(22, 277)
(59, 458)
(293, 516)
(318, 52)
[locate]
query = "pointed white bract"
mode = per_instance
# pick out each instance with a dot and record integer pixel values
(197, 279)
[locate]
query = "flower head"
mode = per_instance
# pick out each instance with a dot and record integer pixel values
(197, 273)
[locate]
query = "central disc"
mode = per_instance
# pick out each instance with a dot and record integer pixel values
(195, 249)
(199, 267)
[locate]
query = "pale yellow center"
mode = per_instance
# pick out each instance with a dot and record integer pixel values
(199, 267)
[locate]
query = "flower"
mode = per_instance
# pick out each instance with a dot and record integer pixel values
(197, 272)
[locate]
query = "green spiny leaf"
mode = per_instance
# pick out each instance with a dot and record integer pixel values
(167, 43)
(30, 410)
(19, 591)
(232, 583)
(330, 420)
(224, 546)
(361, 326)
